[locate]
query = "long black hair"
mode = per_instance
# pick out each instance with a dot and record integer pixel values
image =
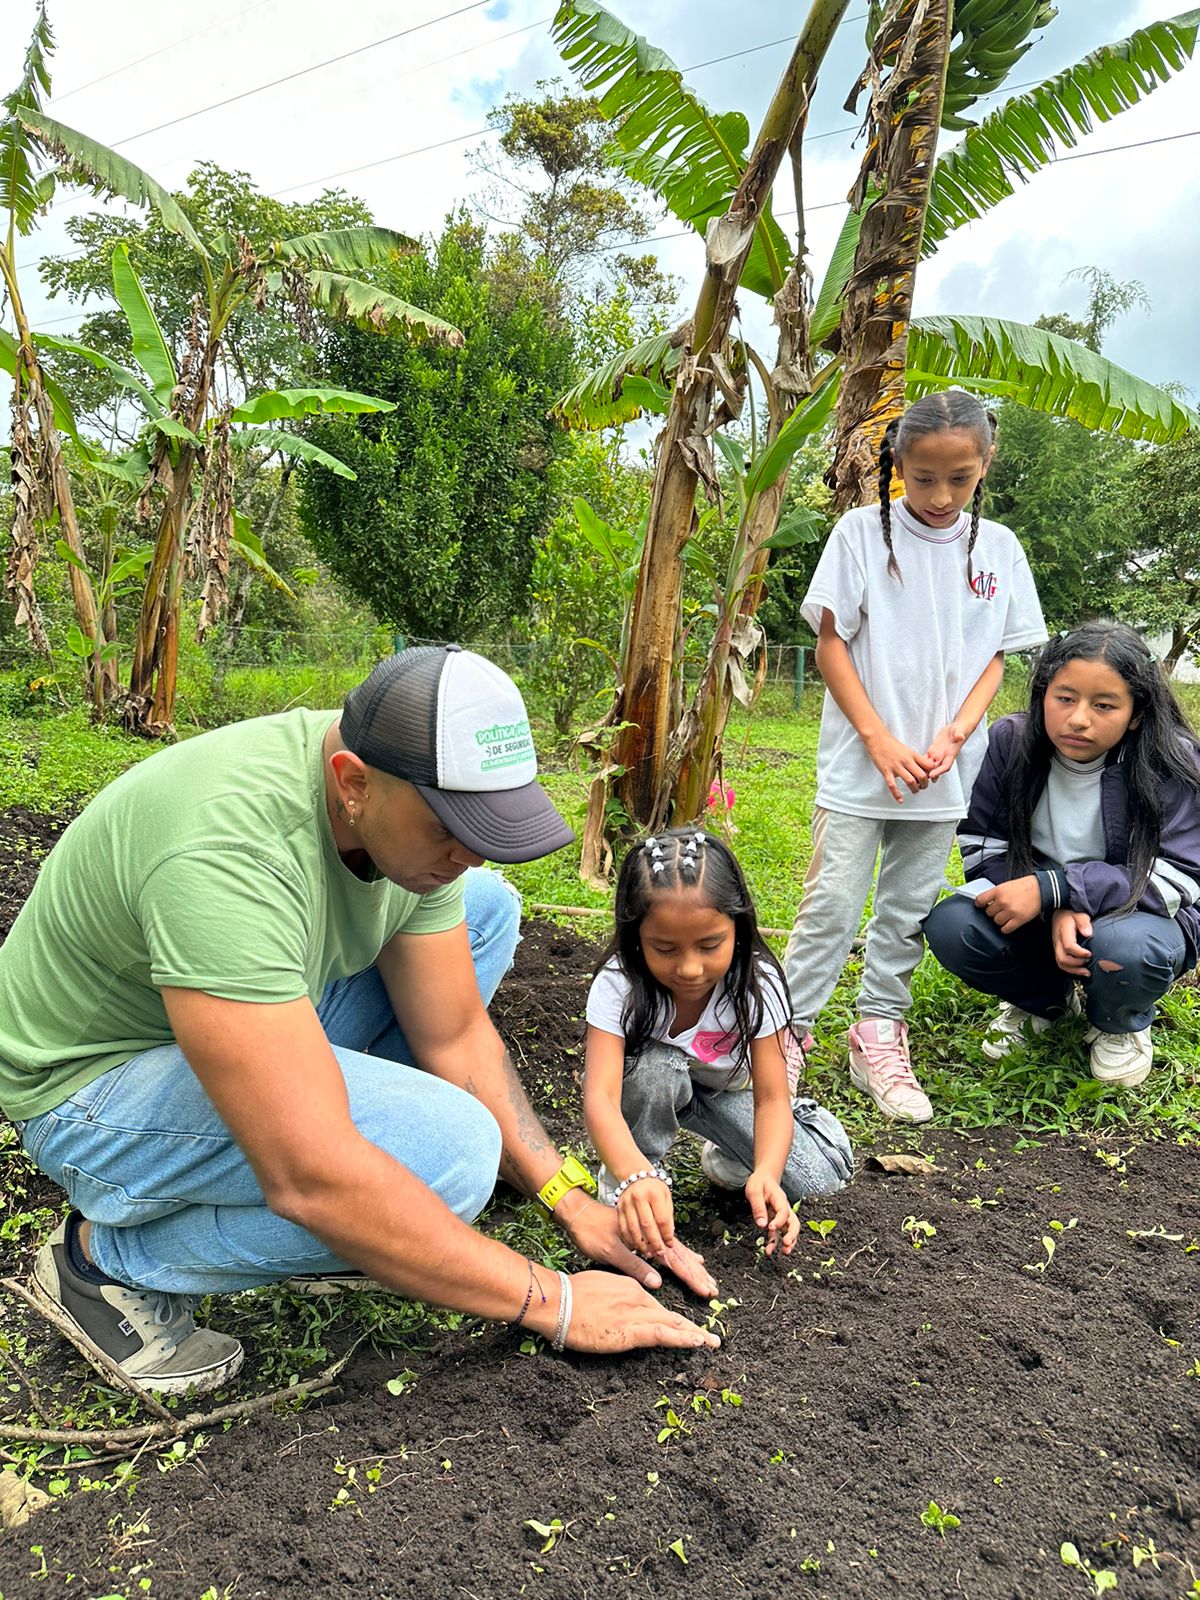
(946, 411)
(1159, 745)
(665, 863)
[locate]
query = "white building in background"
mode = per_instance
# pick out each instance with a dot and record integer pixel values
(1187, 671)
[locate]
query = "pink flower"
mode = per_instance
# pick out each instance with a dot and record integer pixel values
(716, 798)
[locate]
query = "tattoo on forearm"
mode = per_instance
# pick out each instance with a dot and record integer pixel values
(529, 1130)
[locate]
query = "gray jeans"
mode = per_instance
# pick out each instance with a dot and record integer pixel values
(912, 868)
(658, 1097)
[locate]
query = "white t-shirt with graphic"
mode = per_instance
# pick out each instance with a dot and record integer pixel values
(713, 1044)
(919, 647)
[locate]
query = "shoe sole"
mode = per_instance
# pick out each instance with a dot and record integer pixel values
(860, 1082)
(316, 1288)
(1122, 1080)
(172, 1383)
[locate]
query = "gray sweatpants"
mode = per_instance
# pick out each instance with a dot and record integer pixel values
(659, 1096)
(912, 866)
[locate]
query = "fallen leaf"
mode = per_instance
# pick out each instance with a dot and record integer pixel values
(912, 1166)
(18, 1500)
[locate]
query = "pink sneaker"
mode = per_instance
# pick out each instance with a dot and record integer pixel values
(879, 1064)
(796, 1055)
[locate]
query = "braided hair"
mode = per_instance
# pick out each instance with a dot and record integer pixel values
(943, 412)
(666, 863)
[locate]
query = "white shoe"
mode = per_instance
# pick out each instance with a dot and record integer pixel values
(722, 1171)
(1123, 1059)
(1009, 1029)
(606, 1186)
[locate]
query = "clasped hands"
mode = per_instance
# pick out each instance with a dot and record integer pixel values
(899, 763)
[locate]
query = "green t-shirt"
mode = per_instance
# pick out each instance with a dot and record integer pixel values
(210, 866)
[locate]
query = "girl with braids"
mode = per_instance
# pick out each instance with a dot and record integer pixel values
(688, 1018)
(914, 603)
(1082, 847)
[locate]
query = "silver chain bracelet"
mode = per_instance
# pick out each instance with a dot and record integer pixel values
(563, 1325)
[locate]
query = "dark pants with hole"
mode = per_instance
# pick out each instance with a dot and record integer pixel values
(1148, 953)
(659, 1096)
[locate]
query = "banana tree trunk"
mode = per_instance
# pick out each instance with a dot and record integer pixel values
(696, 754)
(39, 474)
(685, 454)
(150, 703)
(912, 47)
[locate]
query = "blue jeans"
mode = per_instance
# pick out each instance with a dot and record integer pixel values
(1147, 952)
(173, 1202)
(658, 1097)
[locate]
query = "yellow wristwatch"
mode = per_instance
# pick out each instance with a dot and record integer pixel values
(571, 1175)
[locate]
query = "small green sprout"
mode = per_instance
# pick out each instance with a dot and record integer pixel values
(823, 1228)
(551, 1532)
(1102, 1579)
(918, 1230)
(676, 1549)
(934, 1517)
(402, 1382)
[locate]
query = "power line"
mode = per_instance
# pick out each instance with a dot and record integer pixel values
(825, 205)
(303, 72)
(162, 50)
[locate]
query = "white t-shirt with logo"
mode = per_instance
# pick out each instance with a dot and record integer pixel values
(919, 647)
(717, 1062)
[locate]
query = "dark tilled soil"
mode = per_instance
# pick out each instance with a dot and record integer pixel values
(873, 1377)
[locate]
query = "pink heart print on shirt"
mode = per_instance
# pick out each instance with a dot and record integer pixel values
(712, 1046)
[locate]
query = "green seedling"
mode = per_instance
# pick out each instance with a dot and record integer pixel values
(700, 1402)
(1102, 1579)
(651, 1483)
(811, 1564)
(731, 1397)
(1048, 1245)
(716, 1312)
(1194, 1370)
(402, 1382)
(551, 1532)
(1146, 1552)
(823, 1228)
(934, 1517)
(675, 1427)
(1156, 1232)
(676, 1549)
(918, 1230)
(781, 1457)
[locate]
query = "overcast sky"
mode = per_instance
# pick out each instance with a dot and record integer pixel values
(124, 68)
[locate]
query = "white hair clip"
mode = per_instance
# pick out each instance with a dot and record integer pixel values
(656, 866)
(698, 838)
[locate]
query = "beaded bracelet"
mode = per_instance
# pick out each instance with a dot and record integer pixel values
(658, 1172)
(563, 1325)
(520, 1318)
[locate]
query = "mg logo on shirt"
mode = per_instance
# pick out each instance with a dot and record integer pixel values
(983, 584)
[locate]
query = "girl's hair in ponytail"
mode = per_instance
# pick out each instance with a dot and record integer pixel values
(677, 860)
(949, 409)
(1160, 748)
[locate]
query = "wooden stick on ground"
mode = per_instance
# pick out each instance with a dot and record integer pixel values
(113, 1440)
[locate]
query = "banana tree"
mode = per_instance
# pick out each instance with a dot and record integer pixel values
(902, 204)
(218, 530)
(905, 203)
(41, 484)
(190, 451)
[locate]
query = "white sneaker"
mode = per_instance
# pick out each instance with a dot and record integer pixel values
(1009, 1028)
(1123, 1059)
(722, 1171)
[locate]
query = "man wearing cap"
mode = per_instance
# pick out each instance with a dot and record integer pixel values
(243, 1024)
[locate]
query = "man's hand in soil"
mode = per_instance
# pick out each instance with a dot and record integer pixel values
(595, 1232)
(610, 1314)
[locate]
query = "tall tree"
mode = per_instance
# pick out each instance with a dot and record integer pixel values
(436, 534)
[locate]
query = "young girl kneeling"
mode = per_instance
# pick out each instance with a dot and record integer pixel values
(1082, 853)
(688, 1018)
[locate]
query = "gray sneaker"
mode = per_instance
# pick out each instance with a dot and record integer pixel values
(722, 1171)
(151, 1335)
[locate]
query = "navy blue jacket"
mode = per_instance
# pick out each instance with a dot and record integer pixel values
(1098, 888)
